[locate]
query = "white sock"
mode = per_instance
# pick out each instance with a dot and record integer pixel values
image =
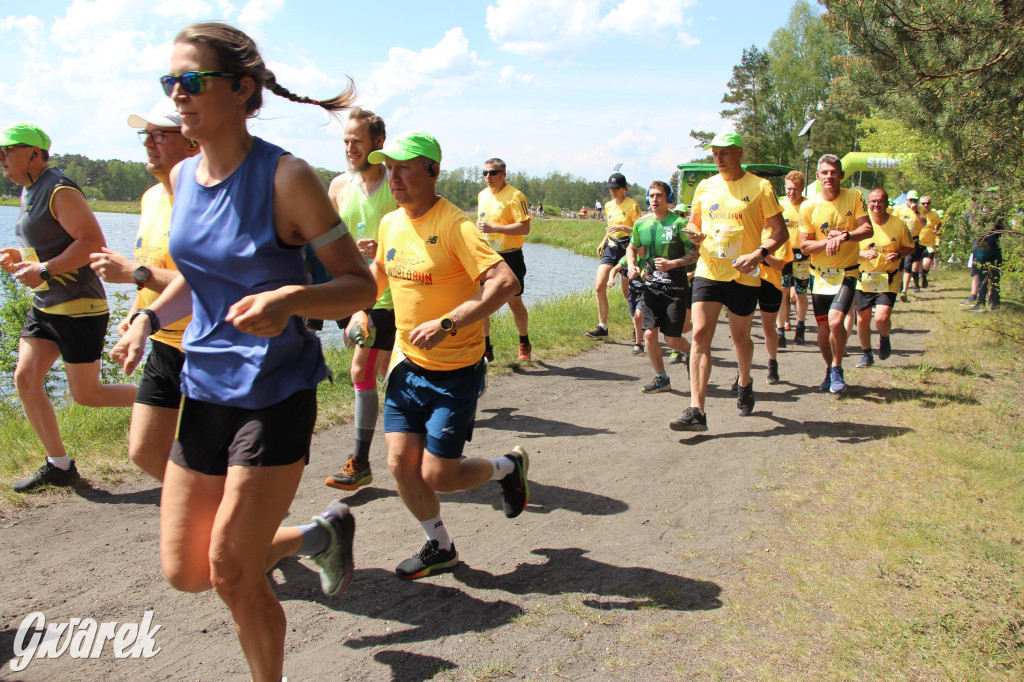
(503, 466)
(435, 530)
(63, 463)
(602, 325)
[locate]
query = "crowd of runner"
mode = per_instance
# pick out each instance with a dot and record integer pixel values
(227, 303)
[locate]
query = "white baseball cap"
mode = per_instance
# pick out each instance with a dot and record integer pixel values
(163, 115)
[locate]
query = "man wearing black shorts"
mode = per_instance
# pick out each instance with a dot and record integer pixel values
(728, 214)
(832, 223)
(68, 318)
(915, 219)
(657, 253)
(880, 256)
(155, 413)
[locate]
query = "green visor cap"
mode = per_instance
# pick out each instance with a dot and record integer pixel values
(726, 140)
(25, 133)
(408, 146)
(912, 194)
(681, 208)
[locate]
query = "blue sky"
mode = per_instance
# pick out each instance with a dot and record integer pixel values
(548, 85)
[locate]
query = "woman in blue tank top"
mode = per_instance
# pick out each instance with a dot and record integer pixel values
(243, 210)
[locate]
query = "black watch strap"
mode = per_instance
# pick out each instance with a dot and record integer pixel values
(154, 321)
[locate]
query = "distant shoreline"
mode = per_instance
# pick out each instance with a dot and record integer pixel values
(98, 206)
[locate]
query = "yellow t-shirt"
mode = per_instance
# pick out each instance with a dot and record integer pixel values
(889, 237)
(151, 250)
(928, 236)
(433, 264)
(791, 214)
(732, 215)
(908, 216)
(784, 252)
(818, 217)
(626, 213)
(506, 207)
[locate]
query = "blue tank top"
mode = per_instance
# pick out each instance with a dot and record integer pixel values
(223, 241)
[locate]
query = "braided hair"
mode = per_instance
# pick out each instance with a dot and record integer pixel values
(236, 52)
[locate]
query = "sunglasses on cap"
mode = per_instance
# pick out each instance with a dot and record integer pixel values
(191, 81)
(492, 172)
(158, 135)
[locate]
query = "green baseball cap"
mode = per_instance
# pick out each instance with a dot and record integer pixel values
(25, 133)
(729, 139)
(912, 194)
(681, 208)
(408, 146)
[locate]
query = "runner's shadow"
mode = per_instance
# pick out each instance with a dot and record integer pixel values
(529, 426)
(583, 373)
(406, 665)
(429, 610)
(545, 499)
(843, 432)
(568, 571)
(100, 496)
(926, 398)
(365, 495)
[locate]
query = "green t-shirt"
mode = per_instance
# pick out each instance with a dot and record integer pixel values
(662, 239)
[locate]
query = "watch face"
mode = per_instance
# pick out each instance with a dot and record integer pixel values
(447, 324)
(142, 274)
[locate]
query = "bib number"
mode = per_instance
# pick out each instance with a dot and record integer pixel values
(726, 241)
(874, 282)
(827, 281)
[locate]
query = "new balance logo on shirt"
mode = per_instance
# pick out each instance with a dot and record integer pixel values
(432, 239)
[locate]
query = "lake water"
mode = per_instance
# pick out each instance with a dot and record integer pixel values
(551, 271)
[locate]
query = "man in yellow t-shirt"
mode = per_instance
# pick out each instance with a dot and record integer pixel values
(155, 413)
(729, 212)
(504, 219)
(880, 256)
(832, 223)
(445, 279)
(621, 212)
(929, 239)
(913, 216)
(796, 275)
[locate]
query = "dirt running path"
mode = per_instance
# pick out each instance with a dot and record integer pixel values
(633, 541)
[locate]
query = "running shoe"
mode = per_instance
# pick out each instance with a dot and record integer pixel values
(788, 326)
(903, 296)
(798, 337)
(969, 301)
(598, 333)
(353, 475)
(866, 360)
(48, 475)
(773, 372)
(429, 560)
(675, 358)
(782, 338)
(638, 349)
(489, 355)
(924, 280)
(693, 419)
(745, 400)
(525, 350)
(838, 382)
(917, 289)
(884, 348)
(976, 308)
(335, 563)
(827, 383)
(515, 488)
(659, 385)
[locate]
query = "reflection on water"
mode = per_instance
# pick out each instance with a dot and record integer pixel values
(551, 271)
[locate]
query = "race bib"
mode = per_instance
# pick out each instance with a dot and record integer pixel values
(801, 270)
(726, 241)
(827, 281)
(874, 282)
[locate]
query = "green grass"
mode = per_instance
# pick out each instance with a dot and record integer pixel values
(580, 236)
(98, 206)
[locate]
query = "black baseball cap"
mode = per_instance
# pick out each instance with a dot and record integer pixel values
(617, 181)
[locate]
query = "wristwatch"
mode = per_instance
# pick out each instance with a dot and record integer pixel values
(448, 325)
(44, 273)
(764, 253)
(142, 275)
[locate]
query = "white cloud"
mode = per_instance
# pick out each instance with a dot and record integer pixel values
(258, 13)
(431, 75)
(687, 40)
(508, 74)
(560, 28)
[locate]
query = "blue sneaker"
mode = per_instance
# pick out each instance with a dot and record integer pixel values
(836, 377)
(827, 383)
